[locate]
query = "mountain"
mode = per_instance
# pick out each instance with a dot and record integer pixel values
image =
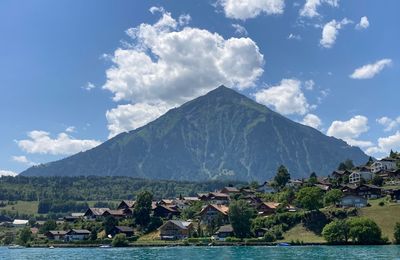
(221, 135)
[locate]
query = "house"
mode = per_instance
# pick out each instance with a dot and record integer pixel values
(265, 188)
(267, 208)
(118, 214)
(128, 231)
(367, 191)
(230, 190)
(395, 195)
(340, 174)
(353, 201)
(95, 213)
(164, 211)
(224, 231)
(252, 199)
(77, 235)
(295, 183)
(357, 176)
(74, 217)
(214, 213)
(214, 198)
(126, 204)
(57, 235)
(20, 222)
(384, 164)
(323, 187)
(176, 229)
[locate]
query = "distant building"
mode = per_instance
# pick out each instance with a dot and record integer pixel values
(164, 211)
(95, 213)
(353, 201)
(230, 190)
(57, 235)
(20, 222)
(367, 191)
(224, 231)
(214, 213)
(77, 235)
(128, 231)
(356, 177)
(267, 208)
(176, 229)
(384, 164)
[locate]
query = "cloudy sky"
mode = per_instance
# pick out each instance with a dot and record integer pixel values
(76, 73)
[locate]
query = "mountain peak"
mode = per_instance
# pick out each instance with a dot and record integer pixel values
(221, 135)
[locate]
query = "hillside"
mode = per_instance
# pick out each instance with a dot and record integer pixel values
(221, 135)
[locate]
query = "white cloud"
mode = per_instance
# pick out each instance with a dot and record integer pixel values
(330, 32)
(286, 98)
(70, 129)
(239, 30)
(350, 130)
(155, 9)
(370, 70)
(22, 159)
(40, 142)
(389, 123)
(170, 65)
(310, 7)
(312, 121)
(7, 173)
(128, 117)
(245, 9)
(385, 144)
(184, 19)
(294, 37)
(89, 86)
(309, 84)
(363, 24)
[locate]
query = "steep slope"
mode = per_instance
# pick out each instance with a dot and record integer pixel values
(220, 135)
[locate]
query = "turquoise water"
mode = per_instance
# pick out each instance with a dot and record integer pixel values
(192, 253)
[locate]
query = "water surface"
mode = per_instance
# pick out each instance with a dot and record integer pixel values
(193, 253)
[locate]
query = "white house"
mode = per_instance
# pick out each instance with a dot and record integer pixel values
(355, 177)
(384, 164)
(20, 222)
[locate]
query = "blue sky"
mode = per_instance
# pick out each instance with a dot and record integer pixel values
(75, 73)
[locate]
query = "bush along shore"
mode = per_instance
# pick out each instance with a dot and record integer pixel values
(341, 209)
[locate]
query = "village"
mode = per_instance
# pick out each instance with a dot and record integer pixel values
(259, 213)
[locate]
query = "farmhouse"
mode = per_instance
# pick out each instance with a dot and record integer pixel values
(176, 229)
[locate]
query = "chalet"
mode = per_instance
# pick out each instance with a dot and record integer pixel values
(126, 204)
(389, 174)
(224, 231)
(57, 235)
(323, 187)
(356, 177)
(74, 217)
(252, 199)
(353, 201)
(166, 202)
(364, 190)
(77, 235)
(118, 214)
(128, 231)
(214, 213)
(384, 164)
(295, 183)
(265, 188)
(340, 174)
(214, 198)
(176, 229)
(95, 213)
(267, 208)
(230, 190)
(164, 211)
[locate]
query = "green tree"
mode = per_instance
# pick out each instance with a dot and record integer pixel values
(392, 154)
(370, 161)
(25, 235)
(336, 232)
(286, 196)
(310, 198)
(397, 233)
(109, 223)
(142, 208)
(364, 231)
(240, 215)
(332, 197)
(191, 211)
(282, 177)
(346, 165)
(155, 222)
(48, 225)
(313, 179)
(119, 240)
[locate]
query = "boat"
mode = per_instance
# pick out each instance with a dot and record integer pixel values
(15, 247)
(105, 246)
(283, 244)
(51, 247)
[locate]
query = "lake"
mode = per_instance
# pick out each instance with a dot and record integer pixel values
(192, 253)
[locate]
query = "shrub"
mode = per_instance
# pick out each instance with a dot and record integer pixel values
(233, 239)
(269, 236)
(120, 240)
(336, 232)
(364, 231)
(397, 233)
(381, 203)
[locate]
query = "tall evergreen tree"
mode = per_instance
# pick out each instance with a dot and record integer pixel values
(282, 177)
(142, 208)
